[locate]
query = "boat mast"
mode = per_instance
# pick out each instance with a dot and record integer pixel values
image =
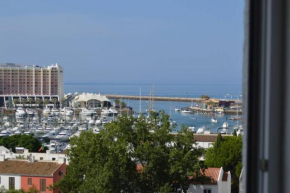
(140, 110)
(153, 97)
(237, 113)
(170, 109)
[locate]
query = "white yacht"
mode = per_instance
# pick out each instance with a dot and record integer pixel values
(66, 111)
(186, 111)
(88, 112)
(113, 111)
(192, 129)
(91, 122)
(240, 130)
(63, 135)
(105, 111)
(50, 135)
(17, 132)
(55, 146)
(30, 112)
(54, 111)
(46, 111)
(20, 112)
(98, 122)
(177, 109)
(200, 130)
(225, 125)
(5, 133)
(8, 124)
(27, 133)
(223, 131)
(213, 120)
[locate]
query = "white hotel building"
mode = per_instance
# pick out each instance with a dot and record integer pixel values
(19, 81)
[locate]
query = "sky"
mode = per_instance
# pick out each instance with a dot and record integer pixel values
(128, 41)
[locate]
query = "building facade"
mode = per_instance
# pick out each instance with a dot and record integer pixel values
(220, 182)
(19, 81)
(24, 174)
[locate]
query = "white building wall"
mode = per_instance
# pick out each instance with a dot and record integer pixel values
(5, 181)
(60, 82)
(204, 144)
(200, 188)
(37, 156)
(224, 187)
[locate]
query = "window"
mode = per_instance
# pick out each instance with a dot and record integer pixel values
(42, 185)
(29, 181)
(207, 191)
(60, 173)
(41, 158)
(53, 158)
(11, 183)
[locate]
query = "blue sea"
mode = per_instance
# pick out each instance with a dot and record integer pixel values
(224, 91)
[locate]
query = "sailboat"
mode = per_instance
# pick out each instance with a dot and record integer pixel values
(140, 108)
(150, 107)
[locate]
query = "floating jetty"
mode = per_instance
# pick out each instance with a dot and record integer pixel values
(159, 98)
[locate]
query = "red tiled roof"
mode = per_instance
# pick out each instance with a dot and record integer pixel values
(139, 168)
(212, 173)
(26, 168)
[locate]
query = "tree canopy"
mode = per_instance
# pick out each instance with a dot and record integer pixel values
(132, 154)
(26, 141)
(227, 153)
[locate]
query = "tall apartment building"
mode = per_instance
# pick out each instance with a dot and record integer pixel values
(19, 81)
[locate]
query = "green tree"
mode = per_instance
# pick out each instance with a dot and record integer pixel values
(117, 101)
(204, 97)
(26, 141)
(123, 104)
(132, 154)
(23, 101)
(54, 101)
(30, 101)
(32, 189)
(16, 101)
(14, 191)
(38, 102)
(62, 101)
(46, 101)
(227, 153)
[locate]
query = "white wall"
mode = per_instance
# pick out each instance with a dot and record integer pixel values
(5, 181)
(204, 144)
(46, 156)
(224, 187)
(199, 188)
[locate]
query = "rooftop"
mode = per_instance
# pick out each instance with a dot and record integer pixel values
(212, 173)
(15, 65)
(205, 138)
(23, 167)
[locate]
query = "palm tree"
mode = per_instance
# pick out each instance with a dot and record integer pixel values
(30, 100)
(54, 101)
(38, 102)
(46, 101)
(62, 102)
(23, 101)
(15, 101)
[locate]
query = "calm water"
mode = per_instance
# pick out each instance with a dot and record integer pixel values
(170, 90)
(186, 90)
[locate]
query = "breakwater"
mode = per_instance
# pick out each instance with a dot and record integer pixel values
(159, 98)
